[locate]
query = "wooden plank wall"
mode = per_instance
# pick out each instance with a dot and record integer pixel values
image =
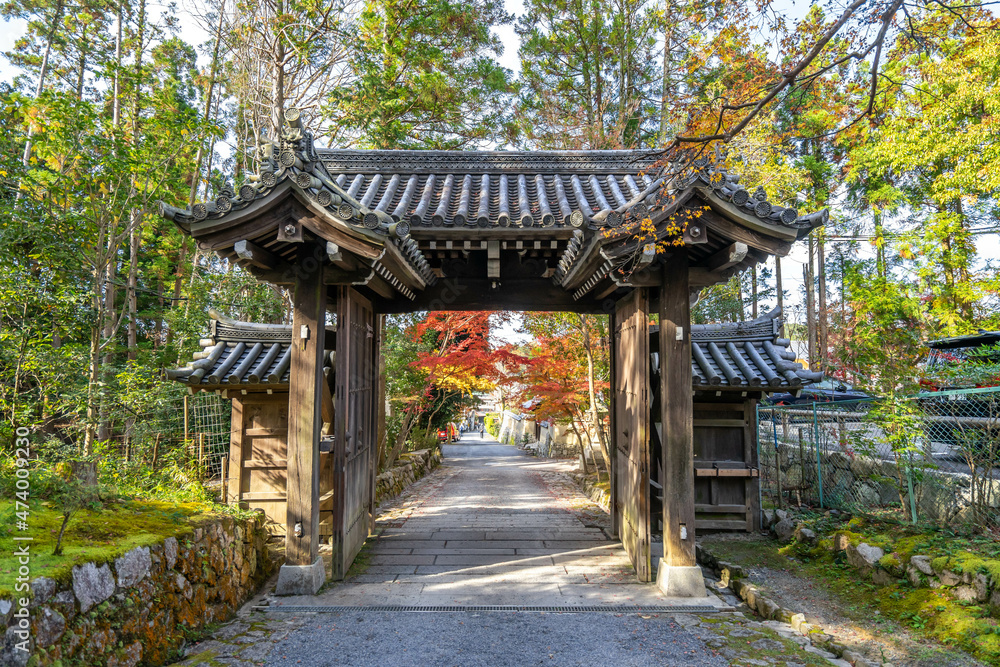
(631, 384)
(725, 447)
(258, 460)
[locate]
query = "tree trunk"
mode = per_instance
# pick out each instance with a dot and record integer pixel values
(753, 290)
(43, 70)
(595, 419)
(135, 238)
(780, 291)
(404, 432)
(821, 312)
(810, 305)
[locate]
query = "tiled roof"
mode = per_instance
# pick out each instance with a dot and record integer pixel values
(238, 354)
(745, 355)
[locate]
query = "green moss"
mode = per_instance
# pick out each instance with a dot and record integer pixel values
(890, 562)
(939, 563)
(924, 611)
(95, 536)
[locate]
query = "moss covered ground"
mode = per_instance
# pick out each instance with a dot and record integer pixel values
(96, 536)
(926, 612)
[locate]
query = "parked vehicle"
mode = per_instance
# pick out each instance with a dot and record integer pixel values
(967, 420)
(448, 433)
(826, 391)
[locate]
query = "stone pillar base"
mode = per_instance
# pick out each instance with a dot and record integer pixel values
(679, 581)
(300, 579)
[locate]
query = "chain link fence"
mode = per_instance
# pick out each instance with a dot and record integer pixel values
(932, 457)
(195, 429)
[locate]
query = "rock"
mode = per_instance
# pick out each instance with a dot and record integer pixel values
(995, 600)
(49, 627)
(132, 567)
(784, 529)
(796, 621)
(42, 589)
(170, 551)
(865, 495)
(964, 593)
(767, 608)
(914, 576)
(780, 515)
(9, 654)
(981, 584)
(840, 542)
(92, 585)
(882, 577)
(949, 578)
(6, 611)
(184, 586)
(129, 657)
(923, 563)
(864, 556)
(769, 518)
(803, 534)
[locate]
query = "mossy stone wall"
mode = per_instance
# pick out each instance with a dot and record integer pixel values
(140, 607)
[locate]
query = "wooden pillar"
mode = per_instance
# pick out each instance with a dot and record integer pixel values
(303, 571)
(678, 573)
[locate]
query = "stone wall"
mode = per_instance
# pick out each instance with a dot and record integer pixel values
(411, 467)
(140, 607)
(863, 484)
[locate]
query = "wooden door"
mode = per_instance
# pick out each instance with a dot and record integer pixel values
(725, 449)
(355, 427)
(631, 428)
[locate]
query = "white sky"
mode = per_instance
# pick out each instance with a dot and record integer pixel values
(190, 31)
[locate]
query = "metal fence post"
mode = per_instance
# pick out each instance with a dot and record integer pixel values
(819, 462)
(777, 457)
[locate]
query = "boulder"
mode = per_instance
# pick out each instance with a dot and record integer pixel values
(803, 534)
(132, 567)
(170, 551)
(769, 518)
(913, 575)
(784, 530)
(864, 556)
(949, 578)
(6, 611)
(780, 515)
(92, 585)
(964, 593)
(49, 627)
(865, 495)
(923, 563)
(840, 542)
(42, 589)
(882, 577)
(981, 584)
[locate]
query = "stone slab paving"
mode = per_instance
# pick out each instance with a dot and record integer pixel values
(495, 527)
(491, 526)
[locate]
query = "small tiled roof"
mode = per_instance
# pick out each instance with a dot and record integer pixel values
(745, 355)
(238, 354)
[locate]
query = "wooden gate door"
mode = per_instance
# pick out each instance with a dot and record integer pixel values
(631, 436)
(354, 455)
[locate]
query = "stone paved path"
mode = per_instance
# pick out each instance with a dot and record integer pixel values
(493, 526)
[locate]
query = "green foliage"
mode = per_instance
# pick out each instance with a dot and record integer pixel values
(424, 75)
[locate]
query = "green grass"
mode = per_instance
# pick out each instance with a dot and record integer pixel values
(92, 536)
(923, 611)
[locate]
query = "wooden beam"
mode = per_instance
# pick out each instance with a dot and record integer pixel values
(727, 257)
(257, 256)
(677, 414)
(731, 231)
(304, 418)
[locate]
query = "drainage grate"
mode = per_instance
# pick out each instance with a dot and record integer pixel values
(624, 609)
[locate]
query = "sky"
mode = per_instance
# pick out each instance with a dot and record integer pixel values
(190, 31)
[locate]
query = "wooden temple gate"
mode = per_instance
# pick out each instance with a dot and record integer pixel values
(359, 234)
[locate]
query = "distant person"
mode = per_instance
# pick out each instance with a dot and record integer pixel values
(482, 430)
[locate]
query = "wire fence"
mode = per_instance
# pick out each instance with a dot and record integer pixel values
(193, 429)
(932, 457)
